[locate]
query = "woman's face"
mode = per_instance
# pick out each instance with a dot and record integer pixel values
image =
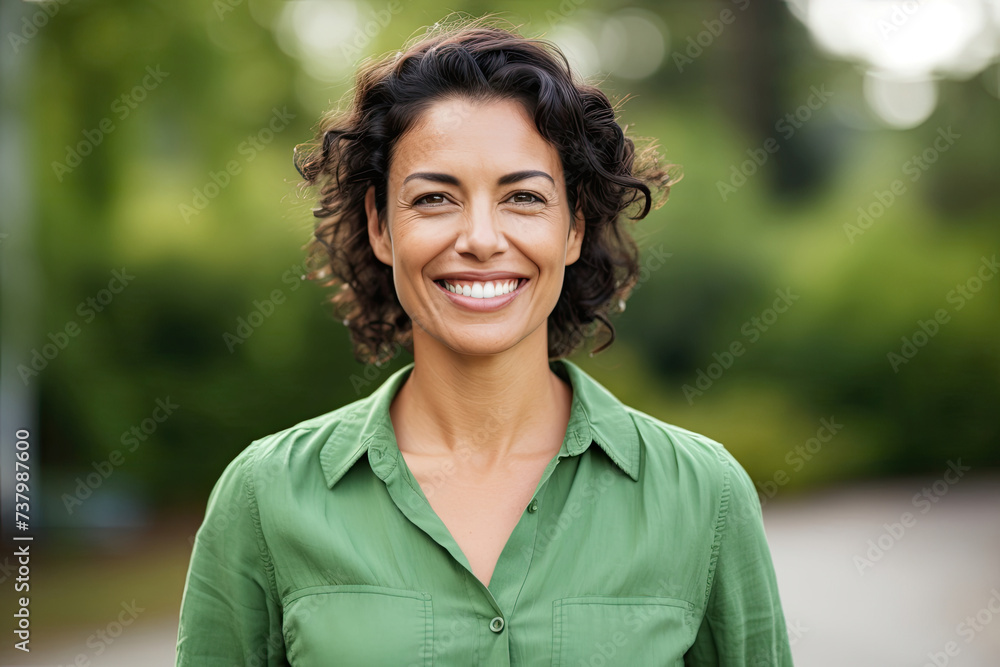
(478, 228)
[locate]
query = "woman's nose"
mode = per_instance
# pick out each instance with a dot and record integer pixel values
(482, 232)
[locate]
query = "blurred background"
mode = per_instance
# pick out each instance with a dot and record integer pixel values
(820, 293)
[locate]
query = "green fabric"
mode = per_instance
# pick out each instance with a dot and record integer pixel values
(320, 548)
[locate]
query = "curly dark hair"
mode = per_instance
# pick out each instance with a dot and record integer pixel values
(476, 59)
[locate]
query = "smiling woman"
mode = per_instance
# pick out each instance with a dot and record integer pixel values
(496, 240)
(490, 503)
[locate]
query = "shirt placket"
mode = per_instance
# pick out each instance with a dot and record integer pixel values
(510, 573)
(494, 604)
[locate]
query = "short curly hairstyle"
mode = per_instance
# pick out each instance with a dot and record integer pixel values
(479, 60)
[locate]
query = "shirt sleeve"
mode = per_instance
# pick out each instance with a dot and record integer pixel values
(230, 615)
(743, 623)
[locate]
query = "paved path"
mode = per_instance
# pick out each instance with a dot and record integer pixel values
(901, 600)
(907, 606)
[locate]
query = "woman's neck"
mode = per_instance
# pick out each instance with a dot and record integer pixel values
(481, 408)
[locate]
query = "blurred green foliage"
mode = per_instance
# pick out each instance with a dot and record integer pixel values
(198, 274)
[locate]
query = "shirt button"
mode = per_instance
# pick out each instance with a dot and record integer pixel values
(496, 625)
(533, 506)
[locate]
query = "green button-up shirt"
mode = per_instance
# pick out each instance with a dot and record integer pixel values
(642, 546)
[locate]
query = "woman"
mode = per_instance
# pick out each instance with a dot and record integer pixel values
(490, 503)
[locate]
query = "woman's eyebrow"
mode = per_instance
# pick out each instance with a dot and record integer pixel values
(522, 175)
(506, 179)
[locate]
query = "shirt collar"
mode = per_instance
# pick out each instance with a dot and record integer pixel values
(596, 415)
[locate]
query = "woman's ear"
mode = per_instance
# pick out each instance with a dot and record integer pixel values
(378, 237)
(575, 242)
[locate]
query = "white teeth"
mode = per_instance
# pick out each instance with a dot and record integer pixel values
(483, 290)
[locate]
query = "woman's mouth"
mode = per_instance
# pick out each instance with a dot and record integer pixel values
(482, 289)
(482, 295)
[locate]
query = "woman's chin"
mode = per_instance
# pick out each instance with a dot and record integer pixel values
(482, 348)
(478, 345)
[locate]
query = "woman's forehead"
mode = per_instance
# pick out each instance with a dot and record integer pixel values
(494, 136)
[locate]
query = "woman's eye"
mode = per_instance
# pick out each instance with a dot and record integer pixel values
(439, 199)
(526, 198)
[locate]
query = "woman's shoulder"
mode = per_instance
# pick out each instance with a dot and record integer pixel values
(672, 449)
(681, 457)
(687, 466)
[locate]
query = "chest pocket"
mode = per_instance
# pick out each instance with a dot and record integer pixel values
(601, 631)
(358, 626)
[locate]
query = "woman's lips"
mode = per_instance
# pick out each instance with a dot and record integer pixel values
(484, 304)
